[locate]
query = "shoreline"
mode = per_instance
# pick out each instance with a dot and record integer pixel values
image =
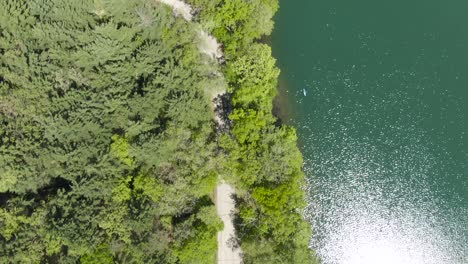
(228, 250)
(256, 62)
(282, 106)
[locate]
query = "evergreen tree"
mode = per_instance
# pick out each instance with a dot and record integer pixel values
(106, 150)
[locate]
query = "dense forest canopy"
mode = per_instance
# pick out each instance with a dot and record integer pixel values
(106, 135)
(108, 149)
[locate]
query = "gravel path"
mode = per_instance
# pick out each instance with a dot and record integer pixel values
(227, 254)
(180, 8)
(208, 44)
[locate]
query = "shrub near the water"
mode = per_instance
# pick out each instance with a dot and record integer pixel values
(263, 159)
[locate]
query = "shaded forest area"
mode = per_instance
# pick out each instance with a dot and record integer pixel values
(108, 150)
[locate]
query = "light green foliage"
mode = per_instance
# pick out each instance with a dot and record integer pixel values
(254, 75)
(276, 205)
(275, 219)
(254, 78)
(201, 246)
(122, 192)
(120, 149)
(230, 20)
(101, 255)
(8, 181)
(9, 223)
(148, 186)
(236, 23)
(249, 124)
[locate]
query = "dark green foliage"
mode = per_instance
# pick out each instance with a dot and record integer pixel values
(105, 135)
(100, 256)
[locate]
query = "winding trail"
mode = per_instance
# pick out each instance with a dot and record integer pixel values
(228, 250)
(179, 8)
(208, 44)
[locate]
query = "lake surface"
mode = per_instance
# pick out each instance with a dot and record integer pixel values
(378, 91)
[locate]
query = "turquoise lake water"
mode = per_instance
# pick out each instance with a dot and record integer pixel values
(378, 91)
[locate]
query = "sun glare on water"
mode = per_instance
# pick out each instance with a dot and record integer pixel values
(381, 250)
(384, 242)
(359, 217)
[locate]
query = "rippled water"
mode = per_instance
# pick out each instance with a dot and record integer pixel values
(379, 94)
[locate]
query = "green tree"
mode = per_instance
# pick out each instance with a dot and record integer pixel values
(105, 132)
(254, 78)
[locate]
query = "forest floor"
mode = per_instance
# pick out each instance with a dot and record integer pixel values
(228, 253)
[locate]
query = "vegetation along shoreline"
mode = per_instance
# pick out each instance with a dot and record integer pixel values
(262, 158)
(108, 148)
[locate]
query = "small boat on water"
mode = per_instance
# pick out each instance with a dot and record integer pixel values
(304, 92)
